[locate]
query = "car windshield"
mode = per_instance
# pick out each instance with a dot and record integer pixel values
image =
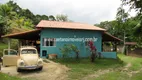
(28, 51)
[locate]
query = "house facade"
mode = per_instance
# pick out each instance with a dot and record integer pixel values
(53, 38)
(53, 35)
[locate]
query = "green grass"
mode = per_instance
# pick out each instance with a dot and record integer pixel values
(136, 63)
(137, 76)
(113, 76)
(83, 67)
(7, 77)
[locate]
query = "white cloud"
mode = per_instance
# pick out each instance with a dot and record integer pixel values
(86, 11)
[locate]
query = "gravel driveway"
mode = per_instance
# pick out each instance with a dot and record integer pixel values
(51, 71)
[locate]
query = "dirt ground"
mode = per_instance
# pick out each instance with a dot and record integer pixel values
(51, 71)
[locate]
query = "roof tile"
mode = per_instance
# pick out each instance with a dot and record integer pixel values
(67, 25)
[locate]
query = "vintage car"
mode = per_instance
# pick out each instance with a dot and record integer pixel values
(27, 58)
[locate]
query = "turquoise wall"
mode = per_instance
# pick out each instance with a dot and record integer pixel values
(66, 33)
(109, 55)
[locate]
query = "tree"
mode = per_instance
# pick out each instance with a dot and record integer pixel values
(61, 17)
(3, 27)
(15, 7)
(75, 49)
(137, 5)
(5, 10)
(134, 4)
(52, 18)
(66, 50)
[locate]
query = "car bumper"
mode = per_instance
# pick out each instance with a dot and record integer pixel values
(30, 67)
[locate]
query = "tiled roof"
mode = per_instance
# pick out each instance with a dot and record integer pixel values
(34, 35)
(67, 25)
(130, 43)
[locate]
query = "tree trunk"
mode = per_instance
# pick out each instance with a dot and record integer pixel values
(77, 55)
(93, 55)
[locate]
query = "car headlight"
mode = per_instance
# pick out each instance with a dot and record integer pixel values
(39, 62)
(21, 63)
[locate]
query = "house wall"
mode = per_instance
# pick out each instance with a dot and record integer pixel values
(66, 33)
(109, 55)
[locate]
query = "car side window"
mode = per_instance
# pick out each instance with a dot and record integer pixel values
(10, 52)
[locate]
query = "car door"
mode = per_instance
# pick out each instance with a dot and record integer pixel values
(10, 57)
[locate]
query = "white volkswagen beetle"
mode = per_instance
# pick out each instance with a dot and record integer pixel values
(29, 59)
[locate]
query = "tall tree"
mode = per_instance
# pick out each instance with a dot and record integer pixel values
(61, 17)
(134, 4)
(137, 5)
(15, 7)
(52, 18)
(3, 27)
(5, 10)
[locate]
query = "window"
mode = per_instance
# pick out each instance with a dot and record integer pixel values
(28, 51)
(48, 41)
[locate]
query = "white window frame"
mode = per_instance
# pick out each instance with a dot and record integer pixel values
(49, 41)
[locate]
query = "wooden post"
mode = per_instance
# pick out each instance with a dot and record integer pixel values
(115, 47)
(8, 45)
(19, 45)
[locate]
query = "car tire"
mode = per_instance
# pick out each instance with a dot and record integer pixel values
(4, 65)
(40, 68)
(19, 70)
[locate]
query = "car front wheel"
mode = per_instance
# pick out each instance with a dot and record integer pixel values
(18, 70)
(40, 68)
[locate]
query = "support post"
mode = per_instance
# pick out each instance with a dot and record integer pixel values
(124, 44)
(19, 45)
(9, 45)
(115, 46)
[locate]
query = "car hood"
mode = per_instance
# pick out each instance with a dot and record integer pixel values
(29, 59)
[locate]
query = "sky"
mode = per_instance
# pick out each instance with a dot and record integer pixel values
(84, 11)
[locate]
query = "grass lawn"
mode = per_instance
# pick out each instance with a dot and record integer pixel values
(136, 63)
(7, 77)
(84, 68)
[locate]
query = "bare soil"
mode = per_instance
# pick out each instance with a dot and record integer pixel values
(51, 71)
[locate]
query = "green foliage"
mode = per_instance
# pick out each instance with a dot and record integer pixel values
(124, 24)
(5, 10)
(2, 46)
(52, 18)
(61, 17)
(3, 27)
(137, 5)
(134, 4)
(65, 50)
(68, 49)
(74, 48)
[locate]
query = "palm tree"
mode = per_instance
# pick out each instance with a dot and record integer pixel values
(5, 10)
